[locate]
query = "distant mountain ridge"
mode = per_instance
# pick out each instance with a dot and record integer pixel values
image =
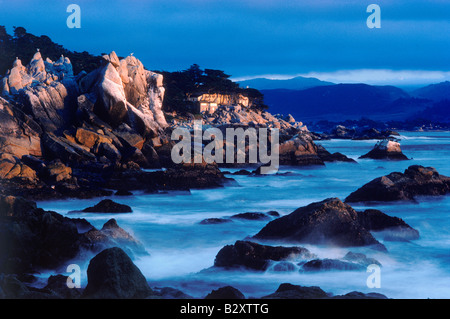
(355, 101)
(296, 83)
(435, 92)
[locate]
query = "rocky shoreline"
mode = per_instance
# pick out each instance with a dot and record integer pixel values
(33, 239)
(101, 133)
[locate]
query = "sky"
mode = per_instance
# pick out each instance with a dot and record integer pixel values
(253, 38)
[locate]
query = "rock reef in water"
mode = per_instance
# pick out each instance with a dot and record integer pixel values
(32, 238)
(415, 181)
(257, 257)
(331, 222)
(386, 149)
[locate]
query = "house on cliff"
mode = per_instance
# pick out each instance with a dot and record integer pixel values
(210, 102)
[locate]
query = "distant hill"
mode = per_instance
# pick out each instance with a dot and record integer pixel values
(438, 112)
(435, 92)
(297, 83)
(345, 101)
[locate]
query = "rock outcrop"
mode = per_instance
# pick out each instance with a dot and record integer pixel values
(108, 206)
(33, 239)
(97, 126)
(359, 133)
(253, 256)
(290, 291)
(46, 90)
(227, 292)
(122, 91)
(386, 149)
(300, 150)
(415, 181)
(19, 133)
(329, 222)
(393, 228)
(336, 223)
(113, 275)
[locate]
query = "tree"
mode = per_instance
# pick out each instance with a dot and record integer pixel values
(19, 32)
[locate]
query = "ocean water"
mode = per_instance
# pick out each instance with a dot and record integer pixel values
(182, 250)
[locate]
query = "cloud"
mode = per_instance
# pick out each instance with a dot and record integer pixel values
(382, 76)
(369, 76)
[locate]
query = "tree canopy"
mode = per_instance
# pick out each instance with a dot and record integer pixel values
(182, 84)
(24, 45)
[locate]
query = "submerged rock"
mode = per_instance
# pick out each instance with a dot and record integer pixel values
(251, 216)
(108, 206)
(331, 264)
(214, 221)
(170, 293)
(112, 235)
(58, 284)
(415, 181)
(227, 292)
(350, 262)
(289, 291)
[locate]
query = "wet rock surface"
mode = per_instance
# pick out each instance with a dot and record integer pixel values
(253, 256)
(416, 180)
(328, 222)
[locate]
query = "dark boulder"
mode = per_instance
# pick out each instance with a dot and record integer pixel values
(361, 295)
(326, 156)
(251, 216)
(226, 292)
(283, 266)
(415, 181)
(170, 293)
(32, 239)
(36, 239)
(58, 284)
(113, 275)
(11, 287)
(350, 262)
(15, 206)
(273, 213)
(214, 221)
(393, 228)
(242, 172)
(361, 259)
(331, 264)
(245, 254)
(289, 291)
(108, 206)
(112, 235)
(123, 192)
(330, 222)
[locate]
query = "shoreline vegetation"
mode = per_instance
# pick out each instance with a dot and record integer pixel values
(78, 126)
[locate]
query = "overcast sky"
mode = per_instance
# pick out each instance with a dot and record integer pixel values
(248, 38)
